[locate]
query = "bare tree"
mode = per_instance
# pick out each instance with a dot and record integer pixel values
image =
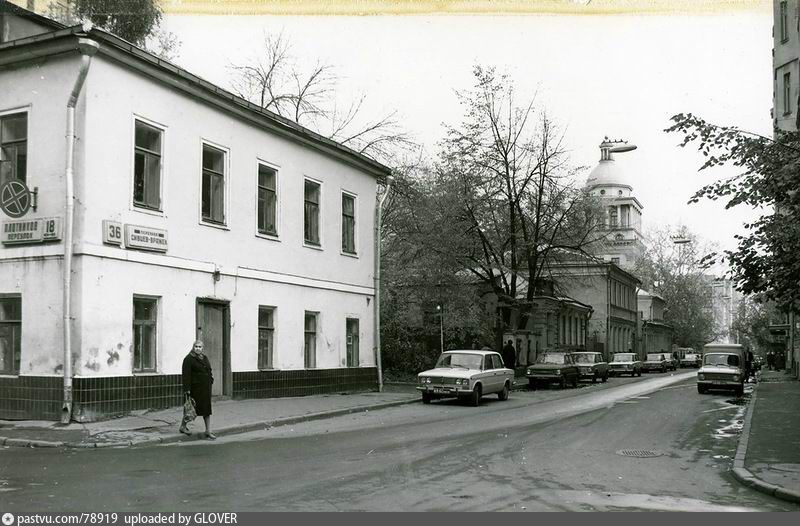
(276, 82)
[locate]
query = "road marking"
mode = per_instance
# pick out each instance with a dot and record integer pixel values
(718, 409)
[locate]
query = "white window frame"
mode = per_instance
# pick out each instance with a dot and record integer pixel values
(787, 93)
(321, 214)
(159, 329)
(15, 295)
(276, 167)
(227, 179)
(317, 325)
(355, 253)
(162, 186)
(274, 311)
(27, 111)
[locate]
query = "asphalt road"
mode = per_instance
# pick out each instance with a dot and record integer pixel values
(545, 450)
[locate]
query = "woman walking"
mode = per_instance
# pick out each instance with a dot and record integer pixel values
(197, 380)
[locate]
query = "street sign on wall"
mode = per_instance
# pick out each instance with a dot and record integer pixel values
(112, 232)
(145, 238)
(26, 231)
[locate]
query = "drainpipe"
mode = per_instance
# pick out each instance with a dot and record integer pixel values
(377, 275)
(87, 49)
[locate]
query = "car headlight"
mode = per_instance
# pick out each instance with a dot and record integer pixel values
(530, 371)
(428, 380)
(558, 371)
(701, 376)
(735, 377)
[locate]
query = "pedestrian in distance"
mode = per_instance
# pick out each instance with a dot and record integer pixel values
(509, 355)
(770, 360)
(197, 380)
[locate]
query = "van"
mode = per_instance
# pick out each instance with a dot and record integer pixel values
(723, 367)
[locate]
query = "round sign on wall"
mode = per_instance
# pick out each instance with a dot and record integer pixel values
(15, 198)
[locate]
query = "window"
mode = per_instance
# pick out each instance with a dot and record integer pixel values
(351, 329)
(784, 23)
(311, 219)
(310, 347)
(266, 330)
(348, 224)
(13, 147)
(267, 200)
(787, 93)
(147, 166)
(612, 216)
(213, 207)
(145, 311)
(10, 333)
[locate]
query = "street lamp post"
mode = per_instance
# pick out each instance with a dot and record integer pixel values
(440, 311)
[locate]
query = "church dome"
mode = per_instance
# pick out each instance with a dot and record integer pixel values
(608, 172)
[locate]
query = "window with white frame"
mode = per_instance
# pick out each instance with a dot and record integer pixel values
(10, 332)
(266, 337)
(784, 22)
(351, 332)
(267, 200)
(213, 192)
(145, 333)
(311, 213)
(147, 166)
(348, 224)
(787, 93)
(13, 147)
(310, 340)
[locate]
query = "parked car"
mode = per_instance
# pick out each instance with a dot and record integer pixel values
(591, 365)
(656, 362)
(625, 363)
(467, 375)
(553, 367)
(691, 359)
(723, 368)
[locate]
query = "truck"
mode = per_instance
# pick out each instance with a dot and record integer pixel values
(723, 367)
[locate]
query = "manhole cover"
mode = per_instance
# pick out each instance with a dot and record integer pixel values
(639, 453)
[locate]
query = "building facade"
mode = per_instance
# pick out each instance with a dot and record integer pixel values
(623, 242)
(655, 334)
(786, 117)
(196, 215)
(611, 292)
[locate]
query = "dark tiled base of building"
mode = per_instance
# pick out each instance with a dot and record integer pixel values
(39, 397)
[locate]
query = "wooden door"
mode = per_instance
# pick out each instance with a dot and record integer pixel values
(212, 331)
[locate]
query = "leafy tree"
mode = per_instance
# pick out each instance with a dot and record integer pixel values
(499, 205)
(765, 260)
(751, 322)
(674, 272)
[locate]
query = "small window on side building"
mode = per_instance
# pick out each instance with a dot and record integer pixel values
(267, 200)
(147, 166)
(13, 147)
(311, 213)
(145, 329)
(348, 224)
(266, 330)
(310, 341)
(10, 333)
(213, 193)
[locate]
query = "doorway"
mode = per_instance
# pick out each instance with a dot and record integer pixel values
(213, 329)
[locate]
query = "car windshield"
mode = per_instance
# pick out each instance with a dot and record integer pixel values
(623, 357)
(730, 360)
(466, 361)
(654, 357)
(585, 358)
(558, 359)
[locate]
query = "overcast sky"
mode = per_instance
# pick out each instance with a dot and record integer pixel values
(621, 76)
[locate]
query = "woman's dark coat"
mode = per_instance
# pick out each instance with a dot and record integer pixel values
(197, 380)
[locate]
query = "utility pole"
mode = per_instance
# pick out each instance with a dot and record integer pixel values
(440, 311)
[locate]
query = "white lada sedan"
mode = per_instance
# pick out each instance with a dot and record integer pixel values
(467, 375)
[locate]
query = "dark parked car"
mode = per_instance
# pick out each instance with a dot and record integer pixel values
(656, 362)
(553, 367)
(591, 365)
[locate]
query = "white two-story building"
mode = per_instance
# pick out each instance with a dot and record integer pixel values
(196, 215)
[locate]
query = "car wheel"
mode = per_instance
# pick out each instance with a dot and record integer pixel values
(605, 378)
(475, 399)
(664, 369)
(639, 374)
(575, 381)
(562, 383)
(531, 384)
(594, 379)
(739, 390)
(503, 395)
(426, 398)
(701, 389)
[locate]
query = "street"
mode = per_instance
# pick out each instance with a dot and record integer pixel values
(548, 450)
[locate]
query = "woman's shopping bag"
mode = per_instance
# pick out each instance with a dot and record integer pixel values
(189, 410)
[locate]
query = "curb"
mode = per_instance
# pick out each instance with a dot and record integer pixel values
(225, 431)
(744, 475)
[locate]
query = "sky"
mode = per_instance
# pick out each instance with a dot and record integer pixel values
(621, 76)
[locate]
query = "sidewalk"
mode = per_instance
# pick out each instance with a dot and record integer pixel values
(230, 417)
(768, 456)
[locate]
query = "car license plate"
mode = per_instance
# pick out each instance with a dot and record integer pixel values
(718, 382)
(442, 390)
